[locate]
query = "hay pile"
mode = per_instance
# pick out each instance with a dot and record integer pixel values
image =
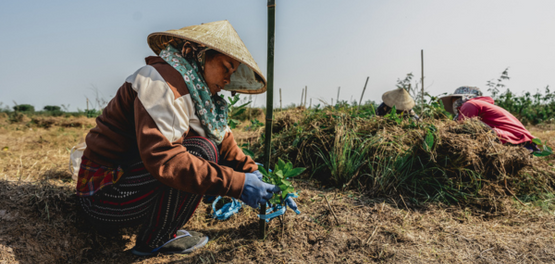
(433, 159)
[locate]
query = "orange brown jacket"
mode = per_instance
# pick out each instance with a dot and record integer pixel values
(148, 119)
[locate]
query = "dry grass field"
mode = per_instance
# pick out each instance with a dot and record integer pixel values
(39, 222)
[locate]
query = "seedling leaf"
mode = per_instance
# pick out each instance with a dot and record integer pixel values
(294, 172)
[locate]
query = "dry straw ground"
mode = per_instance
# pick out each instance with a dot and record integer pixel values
(39, 222)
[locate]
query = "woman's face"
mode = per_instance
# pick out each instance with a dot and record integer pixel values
(217, 70)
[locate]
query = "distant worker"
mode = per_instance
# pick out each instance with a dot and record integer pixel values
(402, 101)
(163, 141)
(467, 102)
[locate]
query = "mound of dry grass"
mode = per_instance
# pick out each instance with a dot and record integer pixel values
(431, 159)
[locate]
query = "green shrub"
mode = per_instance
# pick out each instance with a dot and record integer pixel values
(51, 108)
(92, 113)
(528, 108)
(24, 108)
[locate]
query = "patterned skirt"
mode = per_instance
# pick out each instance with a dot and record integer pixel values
(139, 198)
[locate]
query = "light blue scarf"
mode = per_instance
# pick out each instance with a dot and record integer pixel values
(211, 110)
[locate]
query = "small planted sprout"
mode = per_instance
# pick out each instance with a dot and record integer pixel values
(544, 149)
(279, 177)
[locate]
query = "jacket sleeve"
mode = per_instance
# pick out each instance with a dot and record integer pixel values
(163, 115)
(468, 110)
(231, 155)
(170, 162)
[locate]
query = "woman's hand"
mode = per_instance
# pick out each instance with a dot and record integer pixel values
(258, 174)
(255, 191)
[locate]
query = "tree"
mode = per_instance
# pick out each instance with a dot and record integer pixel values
(24, 108)
(52, 108)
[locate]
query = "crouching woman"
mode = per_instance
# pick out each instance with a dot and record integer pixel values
(163, 142)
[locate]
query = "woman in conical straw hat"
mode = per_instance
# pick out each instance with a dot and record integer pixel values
(401, 100)
(163, 142)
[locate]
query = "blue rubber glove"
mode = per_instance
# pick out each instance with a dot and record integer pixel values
(208, 199)
(257, 192)
(258, 174)
(291, 203)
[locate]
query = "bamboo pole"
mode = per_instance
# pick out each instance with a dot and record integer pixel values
(310, 106)
(363, 90)
(280, 108)
(302, 94)
(337, 100)
(305, 95)
(422, 74)
(269, 103)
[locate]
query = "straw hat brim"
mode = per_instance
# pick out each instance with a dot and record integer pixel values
(399, 98)
(447, 104)
(222, 37)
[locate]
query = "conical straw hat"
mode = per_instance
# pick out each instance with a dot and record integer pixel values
(222, 37)
(399, 98)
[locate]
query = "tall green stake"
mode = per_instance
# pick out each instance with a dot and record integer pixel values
(269, 102)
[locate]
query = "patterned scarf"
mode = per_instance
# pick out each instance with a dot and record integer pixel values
(466, 93)
(211, 110)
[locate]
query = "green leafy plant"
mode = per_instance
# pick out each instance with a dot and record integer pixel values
(234, 111)
(90, 113)
(255, 123)
(545, 150)
(433, 108)
(246, 151)
(393, 115)
(280, 177)
(528, 108)
(429, 139)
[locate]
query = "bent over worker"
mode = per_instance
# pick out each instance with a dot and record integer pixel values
(401, 100)
(468, 102)
(163, 142)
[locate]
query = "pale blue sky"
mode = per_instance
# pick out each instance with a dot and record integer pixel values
(55, 52)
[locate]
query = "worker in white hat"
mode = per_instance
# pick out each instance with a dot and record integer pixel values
(468, 102)
(163, 142)
(401, 100)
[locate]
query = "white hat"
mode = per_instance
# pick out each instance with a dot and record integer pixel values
(468, 91)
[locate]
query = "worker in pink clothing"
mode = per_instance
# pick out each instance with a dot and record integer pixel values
(467, 102)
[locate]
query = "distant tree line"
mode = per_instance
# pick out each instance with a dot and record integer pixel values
(49, 110)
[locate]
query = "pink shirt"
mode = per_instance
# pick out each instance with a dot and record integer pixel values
(508, 127)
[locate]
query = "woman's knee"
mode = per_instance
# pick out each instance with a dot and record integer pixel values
(202, 147)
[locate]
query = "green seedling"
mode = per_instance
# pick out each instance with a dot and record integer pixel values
(234, 111)
(255, 123)
(545, 150)
(280, 177)
(393, 115)
(245, 148)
